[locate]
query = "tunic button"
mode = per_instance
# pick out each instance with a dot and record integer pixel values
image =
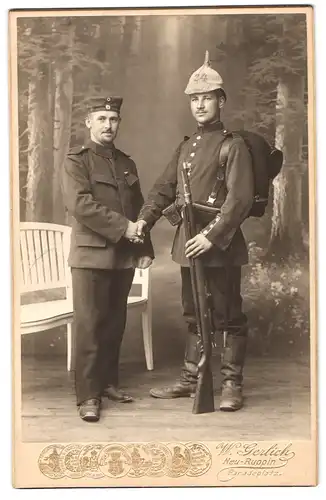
(195, 144)
(198, 137)
(205, 232)
(192, 154)
(189, 164)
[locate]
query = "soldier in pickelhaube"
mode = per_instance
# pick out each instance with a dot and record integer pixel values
(218, 242)
(102, 194)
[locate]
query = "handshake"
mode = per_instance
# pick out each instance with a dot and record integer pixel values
(135, 231)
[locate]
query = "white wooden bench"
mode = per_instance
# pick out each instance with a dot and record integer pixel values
(44, 252)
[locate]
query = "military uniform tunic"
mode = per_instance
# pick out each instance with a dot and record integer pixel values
(102, 193)
(201, 152)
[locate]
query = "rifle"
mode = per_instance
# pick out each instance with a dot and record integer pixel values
(204, 397)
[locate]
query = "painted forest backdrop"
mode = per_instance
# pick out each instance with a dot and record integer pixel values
(148, 60)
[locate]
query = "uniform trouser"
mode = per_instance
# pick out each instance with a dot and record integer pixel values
(100, 309)
(217, 284)
(224, 288)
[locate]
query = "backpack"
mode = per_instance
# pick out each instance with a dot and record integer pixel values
(266, 163)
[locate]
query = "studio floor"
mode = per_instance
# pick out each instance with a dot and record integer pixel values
(277, 406)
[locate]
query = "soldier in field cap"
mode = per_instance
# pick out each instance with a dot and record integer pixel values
(103, 195)
(217, 242)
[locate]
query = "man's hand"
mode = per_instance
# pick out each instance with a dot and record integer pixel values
(143, 262)
(131, 233)
(197, 246)
(141, 224)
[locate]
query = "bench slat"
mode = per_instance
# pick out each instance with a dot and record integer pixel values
(46, 256)
(39, 257)
(53, 261)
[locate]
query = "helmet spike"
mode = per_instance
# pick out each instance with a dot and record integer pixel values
(207, 61)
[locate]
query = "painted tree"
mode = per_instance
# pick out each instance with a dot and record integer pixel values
(36, 73)
(55, 59)
(275, 107)
(63, 81)
(287, 225)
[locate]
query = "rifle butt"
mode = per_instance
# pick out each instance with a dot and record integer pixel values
(204, 397)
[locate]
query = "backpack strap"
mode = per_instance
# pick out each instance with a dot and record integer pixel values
(222, 160)
(224, 151)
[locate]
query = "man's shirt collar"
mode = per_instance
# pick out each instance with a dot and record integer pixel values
(210, 127)
(108, 151)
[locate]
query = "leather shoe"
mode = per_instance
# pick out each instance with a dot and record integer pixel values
(115, 394)
(177, 390)
(89, 410)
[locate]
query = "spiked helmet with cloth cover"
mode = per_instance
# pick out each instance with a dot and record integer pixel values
(204, 79)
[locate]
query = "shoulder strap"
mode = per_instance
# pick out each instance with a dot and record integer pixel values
(222, 159)
(75, 150)
(224, 150)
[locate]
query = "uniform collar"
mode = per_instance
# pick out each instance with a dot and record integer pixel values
(106, 151)
(210, 127)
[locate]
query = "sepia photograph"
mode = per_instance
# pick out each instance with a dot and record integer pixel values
(163, 214)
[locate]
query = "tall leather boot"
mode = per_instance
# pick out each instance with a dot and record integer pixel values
(233, 357)
(186, 385)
